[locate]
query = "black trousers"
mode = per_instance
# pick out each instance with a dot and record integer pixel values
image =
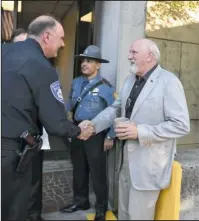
(15, 186)
(35, 196)
(89, 156)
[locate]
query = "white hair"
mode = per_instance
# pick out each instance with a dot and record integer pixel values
(153, 48)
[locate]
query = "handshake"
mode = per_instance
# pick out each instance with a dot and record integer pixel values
(87, 130)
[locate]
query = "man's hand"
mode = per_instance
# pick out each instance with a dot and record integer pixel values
(87, 130)
(85, 123)
(108, 144)
(126, 131)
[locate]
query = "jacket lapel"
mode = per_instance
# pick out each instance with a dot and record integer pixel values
(148, 87)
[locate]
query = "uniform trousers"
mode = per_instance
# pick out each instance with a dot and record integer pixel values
(134, 204)
(89, 156)
(35, 197)
(15, 186)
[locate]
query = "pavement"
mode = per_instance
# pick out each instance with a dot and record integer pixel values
(79, 215)
(189, 159)
(57, 191)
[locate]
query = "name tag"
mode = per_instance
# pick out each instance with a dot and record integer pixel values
(94, 94)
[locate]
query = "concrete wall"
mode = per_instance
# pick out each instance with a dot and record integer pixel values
(189, 159)
(179, 46)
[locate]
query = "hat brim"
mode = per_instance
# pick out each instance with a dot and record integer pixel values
(93, 58)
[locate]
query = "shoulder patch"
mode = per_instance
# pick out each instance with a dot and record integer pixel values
(56, 91)
(106, 82)
(115, 95)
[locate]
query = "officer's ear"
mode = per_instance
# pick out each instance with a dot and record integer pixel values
(46, 37)
(98, 65)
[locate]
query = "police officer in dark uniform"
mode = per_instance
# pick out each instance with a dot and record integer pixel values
(90, 94)
(35, 198)
(31, 98)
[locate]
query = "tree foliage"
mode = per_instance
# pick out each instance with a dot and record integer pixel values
(166, 12)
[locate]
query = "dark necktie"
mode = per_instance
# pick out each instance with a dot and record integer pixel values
(84, 84)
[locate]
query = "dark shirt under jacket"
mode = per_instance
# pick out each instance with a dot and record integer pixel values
(136, 89)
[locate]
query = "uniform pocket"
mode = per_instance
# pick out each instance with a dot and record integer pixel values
(95, 103)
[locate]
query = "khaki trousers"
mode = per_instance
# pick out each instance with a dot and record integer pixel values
(134, 204)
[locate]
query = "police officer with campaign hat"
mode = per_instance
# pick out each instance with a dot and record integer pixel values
(90, 94)
(31, 99)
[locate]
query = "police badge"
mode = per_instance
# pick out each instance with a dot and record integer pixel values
(95, 91)
(56, 91)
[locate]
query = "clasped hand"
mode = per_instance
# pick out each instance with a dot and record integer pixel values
(87, 130)
(126, 131)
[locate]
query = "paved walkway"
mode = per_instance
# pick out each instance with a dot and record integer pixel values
(79, 215)
(57, 191)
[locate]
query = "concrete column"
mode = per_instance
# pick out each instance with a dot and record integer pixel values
(131, 27)
(116, 25)
(106, 35)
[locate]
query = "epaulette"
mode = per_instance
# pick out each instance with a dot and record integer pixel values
(106, 82)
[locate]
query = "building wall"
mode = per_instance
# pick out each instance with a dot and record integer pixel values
(179, 46)
(65, 60)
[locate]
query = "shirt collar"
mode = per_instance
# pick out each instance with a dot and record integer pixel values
(32, 42)
(147, 75)
(95, 79)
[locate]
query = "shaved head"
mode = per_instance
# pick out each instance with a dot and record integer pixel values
(49, 32)
(143, 55)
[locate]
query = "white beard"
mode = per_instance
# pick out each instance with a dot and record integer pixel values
(133, 68)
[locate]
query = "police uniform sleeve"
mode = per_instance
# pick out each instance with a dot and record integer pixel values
(49, 101)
